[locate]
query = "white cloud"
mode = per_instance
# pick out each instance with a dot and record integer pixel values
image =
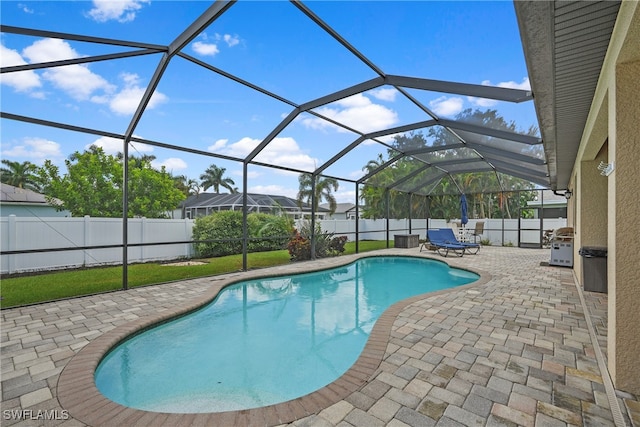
(347, 196)
(76, 80)
(486, 103)
(114, 145)
(524, 85)
(206, 49)
(250, 174)
(231, 40)
(121, 10)
(25, 8)
(36, 150)
(282, 151)
(204, 46)
(218, 145)
(240, 148)
(171, 164)
(274, 190)
(357, 112)
(385, 94)
(127, 100)
(23, 81)
(444, 106)
(356, 174)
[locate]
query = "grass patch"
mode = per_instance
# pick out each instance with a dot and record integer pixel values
(34, 288)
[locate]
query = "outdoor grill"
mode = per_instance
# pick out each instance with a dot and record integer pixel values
(562, 247)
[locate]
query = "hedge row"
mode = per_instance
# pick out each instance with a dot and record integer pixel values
(266, 233)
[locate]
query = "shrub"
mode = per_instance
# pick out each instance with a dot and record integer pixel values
(325, 245)
(218, 226)
(276, 230)
(337, 244)
(299, 247)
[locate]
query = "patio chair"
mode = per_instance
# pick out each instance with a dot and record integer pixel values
(449, 237)
(439, 243)
(478, 230)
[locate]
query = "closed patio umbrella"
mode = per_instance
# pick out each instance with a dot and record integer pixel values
(464, 216)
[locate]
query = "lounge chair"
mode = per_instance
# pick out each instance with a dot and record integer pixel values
(448, 236)
(438, 242)
(478, 230)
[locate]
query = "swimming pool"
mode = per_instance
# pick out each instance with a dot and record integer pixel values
(267, 340)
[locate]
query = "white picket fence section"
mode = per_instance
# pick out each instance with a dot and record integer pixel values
(32, 233)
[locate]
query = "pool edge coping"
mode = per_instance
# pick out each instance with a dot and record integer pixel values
(78, 394)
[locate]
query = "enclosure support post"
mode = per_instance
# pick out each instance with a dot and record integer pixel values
(357, 221)
(387, 215)
(313, 216)
(245, 214)
(502, 216)
(125, 214)
(519, 225)
(541, 216)
(428, 203)
(410, 197)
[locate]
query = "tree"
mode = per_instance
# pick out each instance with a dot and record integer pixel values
(444, 202)
(323, 191)
(213, 176)
(187, 186)
(138, 161)
(93, 186)
(21, 175)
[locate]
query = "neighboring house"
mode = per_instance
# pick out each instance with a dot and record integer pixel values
(26, 203)
(551, 206)
(206, 203)
(343, 211)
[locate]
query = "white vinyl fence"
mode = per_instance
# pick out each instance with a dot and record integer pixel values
(496, 231)
(31, 233)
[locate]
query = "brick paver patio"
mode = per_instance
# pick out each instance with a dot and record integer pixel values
(516, 349)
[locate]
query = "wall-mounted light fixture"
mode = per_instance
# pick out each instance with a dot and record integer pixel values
(606, 168)
(567, 193)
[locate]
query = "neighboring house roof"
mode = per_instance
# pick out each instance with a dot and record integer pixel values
(549, 199)
(11, 194)
(204, 200)
(340, 207)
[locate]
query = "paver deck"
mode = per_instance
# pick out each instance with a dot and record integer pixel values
(525, 347)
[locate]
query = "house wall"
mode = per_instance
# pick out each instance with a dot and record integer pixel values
(624, 230)
(613, 205)
(7, 209)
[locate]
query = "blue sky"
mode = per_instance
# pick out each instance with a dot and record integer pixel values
(267, 43)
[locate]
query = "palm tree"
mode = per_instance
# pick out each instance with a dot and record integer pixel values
(21, 175)
(214, 177)
(138, 161)
(324, 189)
(186, 185)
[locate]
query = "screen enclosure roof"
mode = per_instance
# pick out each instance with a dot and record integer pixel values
(452, 146)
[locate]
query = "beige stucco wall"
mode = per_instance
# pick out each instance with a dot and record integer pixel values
(607, 211)
(588, 212)
(624, 238)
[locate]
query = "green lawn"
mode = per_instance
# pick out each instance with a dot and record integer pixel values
(29, 289)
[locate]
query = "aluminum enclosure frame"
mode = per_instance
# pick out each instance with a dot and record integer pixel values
(493, 158)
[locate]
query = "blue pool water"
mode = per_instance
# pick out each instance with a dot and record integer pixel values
(265, 341)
